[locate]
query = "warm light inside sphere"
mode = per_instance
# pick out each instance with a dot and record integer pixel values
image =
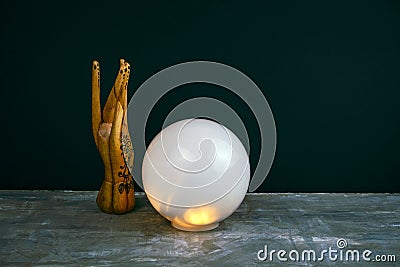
(201, 216)
(196, 173)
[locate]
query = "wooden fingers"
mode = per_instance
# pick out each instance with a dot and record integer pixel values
(109, 108)
(96, 107)
(123, 95)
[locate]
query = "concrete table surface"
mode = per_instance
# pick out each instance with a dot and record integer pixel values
(65, 228)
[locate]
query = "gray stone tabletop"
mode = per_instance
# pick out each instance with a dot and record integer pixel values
(65, 228)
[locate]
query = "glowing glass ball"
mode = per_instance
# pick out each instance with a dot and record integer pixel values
(196, 173)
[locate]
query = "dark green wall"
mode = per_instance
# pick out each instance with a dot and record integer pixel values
(329, 69)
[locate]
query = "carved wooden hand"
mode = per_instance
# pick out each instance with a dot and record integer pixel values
(110, 131)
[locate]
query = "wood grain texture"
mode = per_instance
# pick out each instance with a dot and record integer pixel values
(42, 228)
(111, 135)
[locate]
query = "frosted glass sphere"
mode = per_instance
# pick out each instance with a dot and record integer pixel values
(196, 173)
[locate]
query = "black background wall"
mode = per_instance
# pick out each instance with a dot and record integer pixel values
(329, 69)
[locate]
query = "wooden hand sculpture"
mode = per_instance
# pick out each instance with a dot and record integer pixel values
(110, 131)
